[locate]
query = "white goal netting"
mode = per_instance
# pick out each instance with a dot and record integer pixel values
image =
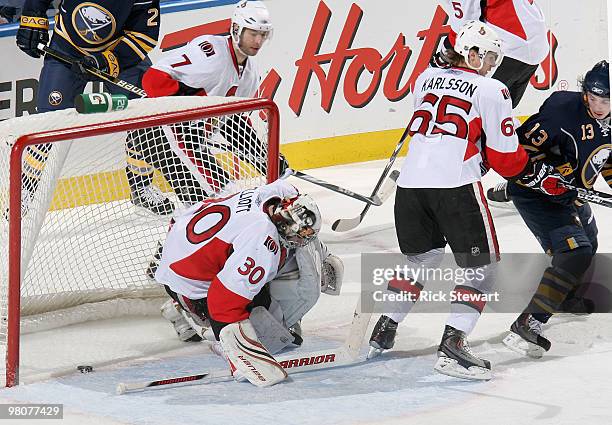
(95, 209)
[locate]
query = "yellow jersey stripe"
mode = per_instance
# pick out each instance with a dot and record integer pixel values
(134, 47)
(143, 37)
(144, 46)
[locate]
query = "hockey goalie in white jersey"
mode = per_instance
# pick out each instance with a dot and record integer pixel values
(219, 258)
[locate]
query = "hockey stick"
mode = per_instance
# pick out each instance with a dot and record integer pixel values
(296, 363)
(374, 200)
(594, 196)
(345, 355)
(383, 193)
(346, 224)
(100, 74)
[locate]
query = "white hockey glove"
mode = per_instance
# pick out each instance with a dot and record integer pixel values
(248, 358)
(332, 275)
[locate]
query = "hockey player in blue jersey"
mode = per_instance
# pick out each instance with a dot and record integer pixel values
(112, 36)
(569, 140)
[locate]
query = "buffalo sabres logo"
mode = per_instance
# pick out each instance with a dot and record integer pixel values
(595, 163)
(93, 23)
(55, 98)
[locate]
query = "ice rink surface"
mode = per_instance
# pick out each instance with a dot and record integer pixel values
(569, 385)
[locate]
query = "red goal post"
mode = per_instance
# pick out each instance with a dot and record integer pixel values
(89, 128)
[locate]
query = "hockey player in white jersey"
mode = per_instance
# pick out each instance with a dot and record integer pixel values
(522, 29)
(440, 199)
(212, 65)
(208, 65)
(220, 254)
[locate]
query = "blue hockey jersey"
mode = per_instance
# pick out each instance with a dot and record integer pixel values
(129, 28)
(565, 135)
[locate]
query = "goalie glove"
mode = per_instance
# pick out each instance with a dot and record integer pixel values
(247, 357)
(332, 273)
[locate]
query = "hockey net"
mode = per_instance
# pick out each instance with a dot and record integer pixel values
(73, 239)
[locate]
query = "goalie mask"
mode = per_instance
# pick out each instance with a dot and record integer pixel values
(479, 36)
(253, 15)
(297, 219)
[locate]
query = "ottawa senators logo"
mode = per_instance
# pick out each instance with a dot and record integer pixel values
(93, 23)
(207, 48)
(271, 245)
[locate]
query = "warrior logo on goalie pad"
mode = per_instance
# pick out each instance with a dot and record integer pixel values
(305, 361)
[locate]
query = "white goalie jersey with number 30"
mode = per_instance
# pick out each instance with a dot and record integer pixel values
(225, 250)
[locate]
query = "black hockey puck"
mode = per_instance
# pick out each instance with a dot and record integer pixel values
(85, 369)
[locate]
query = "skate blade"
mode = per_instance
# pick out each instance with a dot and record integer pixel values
(517, 344)
(374, 352)
(447, 366)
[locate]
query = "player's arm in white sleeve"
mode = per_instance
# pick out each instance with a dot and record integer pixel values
(186, 71)
(503, 152)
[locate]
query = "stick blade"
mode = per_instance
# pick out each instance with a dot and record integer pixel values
(346, 224)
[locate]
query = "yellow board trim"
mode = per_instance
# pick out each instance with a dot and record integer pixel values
(339, 150)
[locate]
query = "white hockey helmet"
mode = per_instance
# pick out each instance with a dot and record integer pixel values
(253, 15)
(476, 34)
(298, 220)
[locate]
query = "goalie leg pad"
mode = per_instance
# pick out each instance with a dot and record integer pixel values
(248, 357)
(271, 333)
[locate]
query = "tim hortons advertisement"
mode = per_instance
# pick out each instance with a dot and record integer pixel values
(339, 68)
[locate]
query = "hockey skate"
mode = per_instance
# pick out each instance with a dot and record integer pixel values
(498, 196)
(172, 312)
(455, 357)
(526, 338)
(152, 199)
(383, 336)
